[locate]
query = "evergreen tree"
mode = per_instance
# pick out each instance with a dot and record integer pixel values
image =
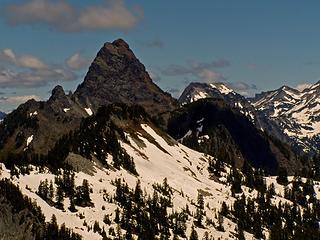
(240, 234)
(138, 193)
(200, 209)
(53, 229)
(193, 234)
(72, 206)
(51, 191)
(82, 194)
(96, 227)
(220, 223)
(205, 236)
(282, 176)
(236, 181)
(224, 209)
(117, 216)
(248, 172)
(59, 198)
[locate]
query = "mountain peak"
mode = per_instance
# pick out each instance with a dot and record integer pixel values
(195, 91)
(120, 43)
(116, 75)
(290, 89)
(57, 93)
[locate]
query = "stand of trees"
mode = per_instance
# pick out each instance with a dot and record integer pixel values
(65, 187)
(41, 230)
(147, 215)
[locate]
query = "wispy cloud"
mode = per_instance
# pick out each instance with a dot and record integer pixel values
(154, 43)
(33, 79)
(175, 92)
(27, 61)
(154, 76)
(27, 71)
(18, 99)
(14, 101)
(77, 61)
(65, 17)
(202, 71)
(245, 89)
(303, 86)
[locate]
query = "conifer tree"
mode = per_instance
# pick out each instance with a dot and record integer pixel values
(59, 198)
(51, 191)
(224, 209)
(193, 234)
(240, 234)
(282, 176)
(200, 209)
(220, 223)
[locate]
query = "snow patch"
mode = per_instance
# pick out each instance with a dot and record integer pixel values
(29, 140)
(35, 113)
(89, 111)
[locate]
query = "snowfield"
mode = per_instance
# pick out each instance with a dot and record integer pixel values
(185, 170)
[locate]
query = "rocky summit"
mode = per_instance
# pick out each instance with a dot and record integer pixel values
(116, 75)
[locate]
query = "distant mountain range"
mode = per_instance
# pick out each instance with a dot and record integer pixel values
(296, 113)
(286, 113)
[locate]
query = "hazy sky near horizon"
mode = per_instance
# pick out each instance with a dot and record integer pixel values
(252, 45)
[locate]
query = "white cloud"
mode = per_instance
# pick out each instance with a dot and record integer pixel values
(8, 56)
(33, 78)
(154, 76)
(207, 75)
(303, 86)
(9, 103)
(17, 100)
(154, 43)
(62, 16)
(78, 62)
(202, 71)
(27, 71)
(31, 62)
(245, 89)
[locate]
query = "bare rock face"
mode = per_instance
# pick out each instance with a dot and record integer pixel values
(116, 75)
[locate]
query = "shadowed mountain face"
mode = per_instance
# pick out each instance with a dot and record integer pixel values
(36, 126)
(212, 126)
(2, 115)
(116, 75)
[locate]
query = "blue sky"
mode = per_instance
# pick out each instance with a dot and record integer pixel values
(252, 45)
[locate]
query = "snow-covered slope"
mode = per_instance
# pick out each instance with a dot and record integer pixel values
(295, 112)
(185, 170)
(196, 91)
(156, 158)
